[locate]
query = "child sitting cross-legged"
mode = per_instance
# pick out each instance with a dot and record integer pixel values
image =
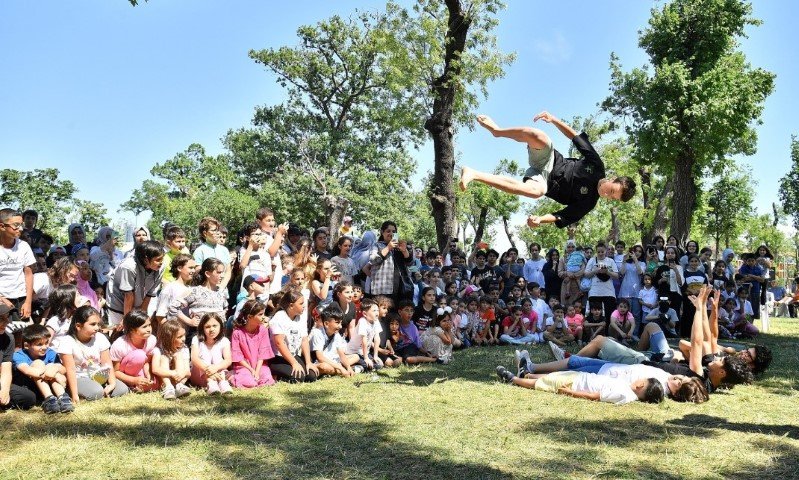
(132, 352)
(252, 346)
(557, 330)
(86, 358)
(171, 362)
(210, 355)
(37, 368)
(328, 346)
(365, 342)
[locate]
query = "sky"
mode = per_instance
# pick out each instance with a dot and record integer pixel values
(103, 91)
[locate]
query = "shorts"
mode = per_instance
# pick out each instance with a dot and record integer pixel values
(615, 352)
(541, 163)
(553, 381)
(410, 350)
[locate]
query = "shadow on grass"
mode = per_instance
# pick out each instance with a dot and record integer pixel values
(708, 423)
(311, 436)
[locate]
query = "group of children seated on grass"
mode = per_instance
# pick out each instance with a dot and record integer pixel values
(95, 322)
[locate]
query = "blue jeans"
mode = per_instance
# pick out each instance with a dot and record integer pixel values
(585, 364)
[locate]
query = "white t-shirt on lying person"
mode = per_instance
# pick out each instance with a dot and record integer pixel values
(632, 373)
(611, 390)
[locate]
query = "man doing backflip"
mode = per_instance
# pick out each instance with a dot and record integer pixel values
(575, 183)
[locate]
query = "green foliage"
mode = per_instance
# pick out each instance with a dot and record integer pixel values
(760, 230)
(91, 215)
(417, 42)
(698, 106)
(729, 201)
(194, 185)
(789, 185)
(40, 190)
(341, 134)
(480, 206)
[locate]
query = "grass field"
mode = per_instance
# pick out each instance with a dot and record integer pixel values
(454, 421)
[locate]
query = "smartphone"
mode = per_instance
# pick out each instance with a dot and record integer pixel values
(395, 237)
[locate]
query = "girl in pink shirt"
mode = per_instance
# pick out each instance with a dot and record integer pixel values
(575, 320)
(251, 347)
(132, 352)
(622, 322)
(210, 355)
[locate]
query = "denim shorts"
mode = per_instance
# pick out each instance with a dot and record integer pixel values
(585, 364)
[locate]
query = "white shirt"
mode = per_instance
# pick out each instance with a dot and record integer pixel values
(319, 342)
(611, 390)
(12, 266)
(632, 373)
(532, 271)
(366, 329)
(86, 355)
(60, 330)
(601, 288)
(294, 330)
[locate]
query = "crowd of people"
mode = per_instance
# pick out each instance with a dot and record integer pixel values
(87, 320)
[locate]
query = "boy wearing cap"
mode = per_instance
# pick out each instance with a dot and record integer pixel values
(16, 262)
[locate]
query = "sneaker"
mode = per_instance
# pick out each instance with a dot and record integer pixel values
(557, 352)
(523, 362)
(225, 388)
(168, 393)
(50, 405)
(213, 387)
(357, 369)
(65, 403)
(181, 390)
(504, 374)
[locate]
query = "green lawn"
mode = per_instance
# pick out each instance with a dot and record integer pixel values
(454, 421)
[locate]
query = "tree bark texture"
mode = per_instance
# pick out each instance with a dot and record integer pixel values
(684, 198)
(481, 225)
(442, 191)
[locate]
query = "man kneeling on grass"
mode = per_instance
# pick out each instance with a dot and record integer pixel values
(589, 386)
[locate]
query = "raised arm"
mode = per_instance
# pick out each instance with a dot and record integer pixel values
(697, 330)
(549, 118)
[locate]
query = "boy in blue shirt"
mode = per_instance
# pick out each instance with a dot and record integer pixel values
(37, 368)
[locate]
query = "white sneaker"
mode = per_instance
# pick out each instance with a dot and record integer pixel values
(557, 352)
(168, 393)
(225, 388)
(357, 369)
(181, 390)
(213, 387)
(523, 362)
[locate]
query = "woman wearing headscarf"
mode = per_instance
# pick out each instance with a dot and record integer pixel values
(104, 256)
(140, 235)
(360, 255)
(728, 255)
(550, 272)
(77, 238)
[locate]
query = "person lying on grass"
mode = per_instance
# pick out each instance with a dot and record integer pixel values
(679, 387)
(757, 358)
(589, 386)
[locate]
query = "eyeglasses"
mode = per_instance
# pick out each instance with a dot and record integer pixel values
(15, 226)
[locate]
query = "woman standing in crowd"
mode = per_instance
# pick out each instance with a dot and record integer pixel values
(388, 258)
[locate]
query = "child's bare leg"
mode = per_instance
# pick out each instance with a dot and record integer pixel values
(58, 388)
(531, 188)
(415, 360)
(592, 348)
(533, 137)
(649, 329)
(326, 369)
(549, 367)
(524, 382)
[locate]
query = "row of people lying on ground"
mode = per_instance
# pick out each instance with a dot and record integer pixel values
(605, 370)
(59, 367)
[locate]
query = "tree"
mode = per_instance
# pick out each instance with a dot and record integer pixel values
(730, 205)
(699, 106)
(439, 53)
(481, 206)
(91, 215)
(40, 190)
(760, 230)
(340, 137)
(193, 185)
(789, 185)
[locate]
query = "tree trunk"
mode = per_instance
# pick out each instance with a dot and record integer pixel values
(481, 225)
(718, 242)
(613, 235)
(335, 206)
(660, 208)
(442, 192)
(684, 198)
(507, 231)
